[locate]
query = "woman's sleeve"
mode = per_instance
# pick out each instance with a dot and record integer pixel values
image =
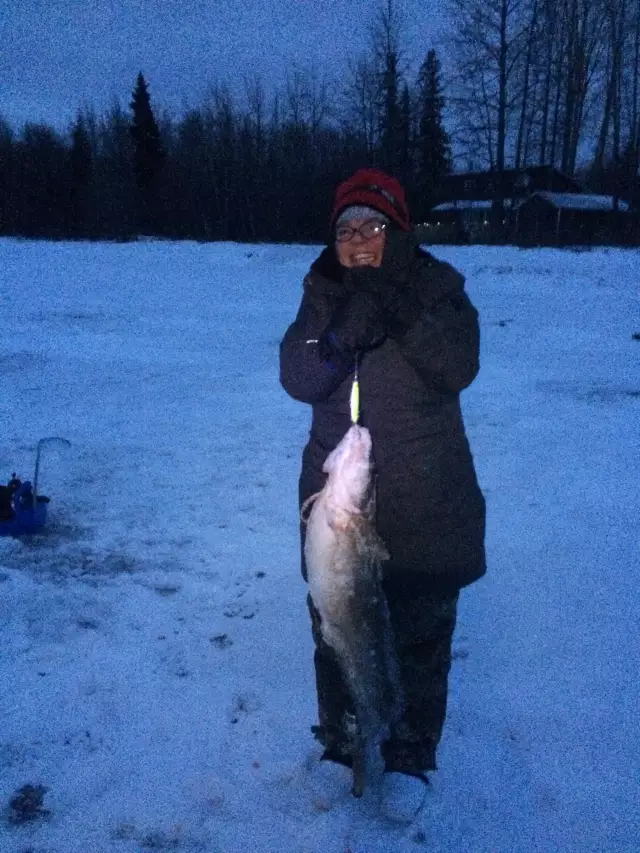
(443, 345)
(304, 374)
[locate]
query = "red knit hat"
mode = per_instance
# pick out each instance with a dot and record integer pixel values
(376, 189)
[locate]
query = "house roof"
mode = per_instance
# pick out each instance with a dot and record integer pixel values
(468, 204)
(523, 170)
(578, 201)
(561, 201)
(516, 181)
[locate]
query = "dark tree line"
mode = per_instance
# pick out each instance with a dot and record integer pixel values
(531, 82)
(263, 169)
(259, 172)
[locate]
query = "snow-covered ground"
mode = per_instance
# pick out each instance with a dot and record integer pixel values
(155, 653)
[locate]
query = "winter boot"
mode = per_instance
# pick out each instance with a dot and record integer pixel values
(329, 783)
(403, 795)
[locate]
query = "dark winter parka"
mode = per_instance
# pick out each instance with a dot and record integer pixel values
(430, 510)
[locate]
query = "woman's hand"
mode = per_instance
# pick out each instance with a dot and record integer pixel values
(355, 325)
(392, 283)
(399, 254)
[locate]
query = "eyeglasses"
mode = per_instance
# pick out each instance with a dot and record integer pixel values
(369, 230)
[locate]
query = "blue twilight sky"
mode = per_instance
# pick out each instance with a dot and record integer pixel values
(60, 55)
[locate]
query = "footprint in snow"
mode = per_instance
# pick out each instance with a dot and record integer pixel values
(167, 589)
(26, 805)
(221, 641)
(246, 611)
(243, 705)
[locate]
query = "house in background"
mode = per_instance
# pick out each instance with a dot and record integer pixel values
(541, 204)
(516, 183)
(463, 212)
(568, 219)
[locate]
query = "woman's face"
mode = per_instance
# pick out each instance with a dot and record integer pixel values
(360, 242)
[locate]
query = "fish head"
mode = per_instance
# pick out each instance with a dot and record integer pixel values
(349, 469)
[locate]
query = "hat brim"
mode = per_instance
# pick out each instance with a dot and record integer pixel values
(370, 198)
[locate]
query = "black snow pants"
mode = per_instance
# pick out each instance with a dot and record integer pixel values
(423, 621)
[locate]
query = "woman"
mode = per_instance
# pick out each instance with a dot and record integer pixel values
(374, 294)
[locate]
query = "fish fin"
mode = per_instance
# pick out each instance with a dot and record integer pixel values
(368, 541)
(370, 507)
(307, 505)
(338, 519)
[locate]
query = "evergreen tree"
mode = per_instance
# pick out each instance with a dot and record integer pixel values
(405, 168)
(148, 154)
(433, 142)
(390, 130)
(80, 174)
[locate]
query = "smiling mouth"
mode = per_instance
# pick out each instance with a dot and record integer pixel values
(363, 259)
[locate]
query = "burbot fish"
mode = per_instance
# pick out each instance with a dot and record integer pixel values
(344, 556)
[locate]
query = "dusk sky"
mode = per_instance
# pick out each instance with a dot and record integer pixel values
(60, 55)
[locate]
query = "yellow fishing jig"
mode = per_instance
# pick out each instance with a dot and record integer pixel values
(355, 396)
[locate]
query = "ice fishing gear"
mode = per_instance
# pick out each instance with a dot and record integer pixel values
(22, 509)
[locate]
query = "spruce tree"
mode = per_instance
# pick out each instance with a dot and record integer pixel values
(433, 142)
(390, 126)
(406, 139)
(148, 155)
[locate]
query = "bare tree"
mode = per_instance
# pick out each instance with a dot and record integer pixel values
(582, 52)
(633, 143)
(620, 108)
(308, 99)
(527, 95)
(490, 44)
(386, 38)
(527, 73)
(361, 104)
(257, 104)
